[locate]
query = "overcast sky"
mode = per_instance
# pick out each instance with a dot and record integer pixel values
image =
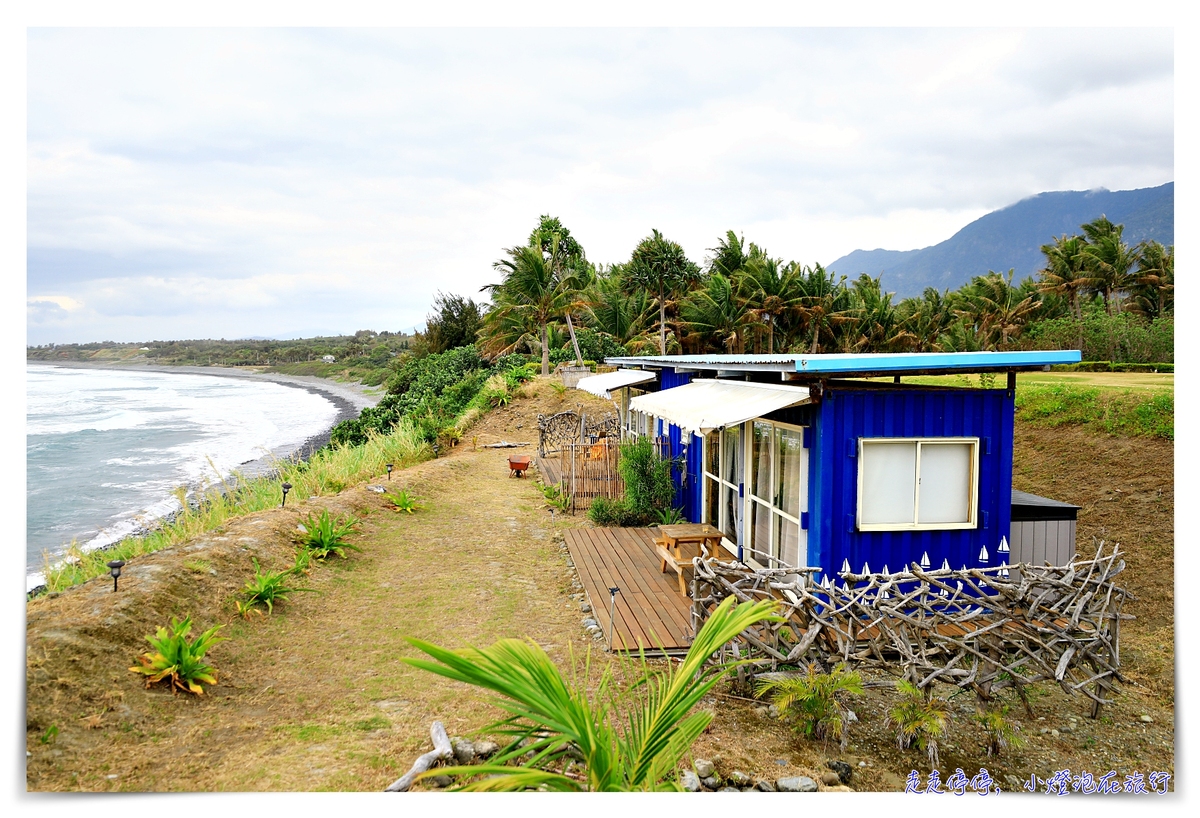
(188, 183)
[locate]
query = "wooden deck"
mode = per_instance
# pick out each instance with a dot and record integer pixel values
(650, 612)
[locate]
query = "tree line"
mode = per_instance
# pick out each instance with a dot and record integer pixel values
(1094, 289)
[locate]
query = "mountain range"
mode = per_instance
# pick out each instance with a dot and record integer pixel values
(1012, 237)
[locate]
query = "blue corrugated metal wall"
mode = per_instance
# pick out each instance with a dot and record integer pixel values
(845, 415)
(686, 480)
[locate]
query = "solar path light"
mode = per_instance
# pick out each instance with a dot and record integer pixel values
(114, 568)
(612, 607)
(389, 469)
(286, 488)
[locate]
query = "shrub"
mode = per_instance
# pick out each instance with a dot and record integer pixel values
(179, 659)
(919, 720)
(815, 701)
(1001, 733)
(403, 501)
(267, 587)
(324, 535)
(648, 484)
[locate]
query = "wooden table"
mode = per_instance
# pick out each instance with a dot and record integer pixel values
(673, 538)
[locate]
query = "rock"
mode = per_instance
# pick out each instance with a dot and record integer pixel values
(441, 781)
(764, 786)
(1145, 719)
(851, 717)
(844, 771)
(1053, 734)
(712, 782)
(739, 779)
(590, 623)
(1044, 731)
(773, 711)
(585, 608)
(376, 489)
(704, 768)
(797, 783)
(464, 751)
(762, 712)
(862, 763)
(689, 781)
(486, 749)
(1067, 729)
(1014, 783)
(729, 789)
(830, 779)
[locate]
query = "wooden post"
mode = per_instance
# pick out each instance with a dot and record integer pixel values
(574, 343)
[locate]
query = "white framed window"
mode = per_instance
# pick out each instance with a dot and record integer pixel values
(756, 488)
(923, 483)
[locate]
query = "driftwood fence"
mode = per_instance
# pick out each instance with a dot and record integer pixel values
(580, 455)
(983, 629)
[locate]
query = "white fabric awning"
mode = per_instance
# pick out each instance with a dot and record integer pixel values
(603, 385)
(704, 405)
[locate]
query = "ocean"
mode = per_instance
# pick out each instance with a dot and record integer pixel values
(106, 449)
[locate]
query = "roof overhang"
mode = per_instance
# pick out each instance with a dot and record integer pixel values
(603, 385)
(825, 365)
(705, 405)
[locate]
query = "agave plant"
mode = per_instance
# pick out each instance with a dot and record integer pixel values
(324, 535)
(178, 658)
(403, 501)
(638, 749)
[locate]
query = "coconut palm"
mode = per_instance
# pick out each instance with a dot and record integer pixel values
(1108, 261)
(770, 290)
(538, 288)
(926, 318)
(873, 324)
(1065, 273)
(995, 309)
(716, 316)
(637, 749)
(625, 315)
(824, 306)
(661, 267)
(1153, 291)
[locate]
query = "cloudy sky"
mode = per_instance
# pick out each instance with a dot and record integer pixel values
(186, 183)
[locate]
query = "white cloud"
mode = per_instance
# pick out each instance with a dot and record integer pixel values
(241, 179)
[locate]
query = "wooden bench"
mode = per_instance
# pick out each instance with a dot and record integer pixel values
(682, 568)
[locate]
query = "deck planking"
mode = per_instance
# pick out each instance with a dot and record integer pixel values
(650, 612)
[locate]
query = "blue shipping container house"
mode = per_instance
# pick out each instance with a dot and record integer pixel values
(832, 461)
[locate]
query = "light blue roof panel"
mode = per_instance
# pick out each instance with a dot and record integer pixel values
(849, 364)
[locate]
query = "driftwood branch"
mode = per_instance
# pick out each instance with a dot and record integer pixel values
(441, 750)
(980, 628)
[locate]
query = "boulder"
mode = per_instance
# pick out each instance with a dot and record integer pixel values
(739, 779)
(704, 768)
(797, 783)
(830, 779)
(464, 751)
(711, 782)
(764, 786)
(844, 771)
(689, 781)
(485, 748)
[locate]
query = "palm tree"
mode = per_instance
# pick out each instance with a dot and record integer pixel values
(769, 289)
(995, 309)
(624, 315)
(638, 749)
(1108, 260)
(1153, 291)
(538, 288)
(824, 306)
(1065, 273)
(873, 324)
(661, 267)
(716, 316)
(926, 318)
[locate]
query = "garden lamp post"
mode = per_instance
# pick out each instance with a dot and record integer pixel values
(389, 470)
(612, 608)
(286, 488)
(114, 568)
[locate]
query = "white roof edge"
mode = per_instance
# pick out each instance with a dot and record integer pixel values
(705, 405)
(603, 385)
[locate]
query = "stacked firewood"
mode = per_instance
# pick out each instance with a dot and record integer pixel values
(981, 628)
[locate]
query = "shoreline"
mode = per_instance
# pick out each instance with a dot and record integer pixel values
(349, 400)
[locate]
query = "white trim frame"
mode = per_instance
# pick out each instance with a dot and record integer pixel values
(972, 499)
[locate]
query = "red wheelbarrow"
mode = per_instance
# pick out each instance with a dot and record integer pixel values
(517, 464)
